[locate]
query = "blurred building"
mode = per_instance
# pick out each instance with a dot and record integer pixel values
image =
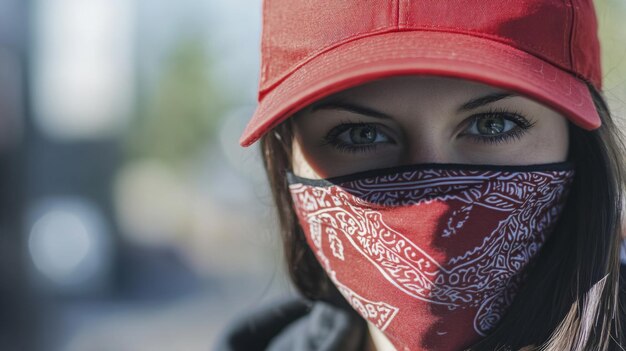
(17, 319)
(129, 144)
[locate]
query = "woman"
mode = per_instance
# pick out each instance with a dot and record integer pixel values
(447, 176)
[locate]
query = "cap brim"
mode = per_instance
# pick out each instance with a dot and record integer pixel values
(424, 53)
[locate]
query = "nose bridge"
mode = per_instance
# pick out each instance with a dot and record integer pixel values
(427, 123)
(427, 146)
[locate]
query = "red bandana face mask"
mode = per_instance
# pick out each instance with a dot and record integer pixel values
(432, 255)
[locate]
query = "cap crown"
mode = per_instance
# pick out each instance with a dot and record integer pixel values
(561, 32)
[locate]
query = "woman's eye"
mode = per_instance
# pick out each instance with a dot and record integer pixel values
(494, 127)
(365, 134)
(356, 137)
(491, 125)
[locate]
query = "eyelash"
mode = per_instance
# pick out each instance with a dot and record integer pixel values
(331, 138)
(522, 126)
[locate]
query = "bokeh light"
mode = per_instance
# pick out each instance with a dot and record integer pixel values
(69, 244)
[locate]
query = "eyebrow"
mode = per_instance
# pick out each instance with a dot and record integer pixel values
(367, 111)
(484, 100)
(350, 107)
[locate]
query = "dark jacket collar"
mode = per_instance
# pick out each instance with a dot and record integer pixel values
(298, 324)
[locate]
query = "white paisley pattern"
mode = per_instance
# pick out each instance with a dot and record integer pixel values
(484, 278)
(377, 312)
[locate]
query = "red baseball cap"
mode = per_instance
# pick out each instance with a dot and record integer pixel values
(545, 49)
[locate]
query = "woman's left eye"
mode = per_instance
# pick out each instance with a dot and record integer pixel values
(496, 127)
(356, 137)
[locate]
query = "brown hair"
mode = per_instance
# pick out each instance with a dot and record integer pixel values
(570, 300)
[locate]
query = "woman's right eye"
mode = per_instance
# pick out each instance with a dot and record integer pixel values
(355, 137)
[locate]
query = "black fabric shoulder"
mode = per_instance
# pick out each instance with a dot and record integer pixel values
(296, 324)
(254, 330)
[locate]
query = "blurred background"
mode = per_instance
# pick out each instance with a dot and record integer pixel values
(131, 219)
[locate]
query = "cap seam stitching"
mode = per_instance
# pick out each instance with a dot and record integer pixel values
(265, 52)
(396, 13)
(402, 13)
(572, 30)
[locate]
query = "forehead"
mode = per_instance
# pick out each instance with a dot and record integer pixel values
(408, 95)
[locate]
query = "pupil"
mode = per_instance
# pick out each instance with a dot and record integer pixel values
(491, 125)
(363, 135)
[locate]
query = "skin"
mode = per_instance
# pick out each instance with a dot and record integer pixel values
(423, 123)
(423, 120)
